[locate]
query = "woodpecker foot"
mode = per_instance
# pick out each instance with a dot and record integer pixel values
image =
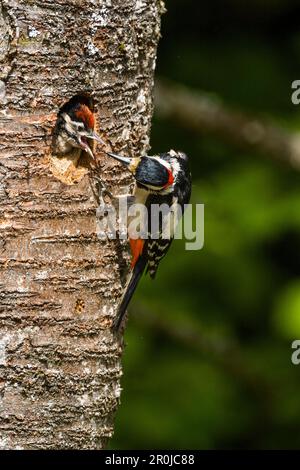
(102, 190)
(105, 192)
(103, 205)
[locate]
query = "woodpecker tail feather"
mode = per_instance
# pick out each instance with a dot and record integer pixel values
(129, 291)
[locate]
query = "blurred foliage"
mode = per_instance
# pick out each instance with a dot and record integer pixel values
(242, 291)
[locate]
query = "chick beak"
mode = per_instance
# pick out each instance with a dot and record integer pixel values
(93, 135)
(125, 160)
(88, 150)
(85, 146)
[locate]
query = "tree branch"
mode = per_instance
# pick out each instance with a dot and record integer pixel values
(206, 115)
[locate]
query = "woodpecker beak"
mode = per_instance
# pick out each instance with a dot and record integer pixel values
(125, 160)
(151, 172)
(130, 163)
(90, 135)
(93, 135)
(88, 150)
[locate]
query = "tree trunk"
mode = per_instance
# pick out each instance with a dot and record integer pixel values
(59, 283)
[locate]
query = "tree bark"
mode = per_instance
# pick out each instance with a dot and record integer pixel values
(59, 283)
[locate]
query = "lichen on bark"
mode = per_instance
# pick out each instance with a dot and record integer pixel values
(60, 365)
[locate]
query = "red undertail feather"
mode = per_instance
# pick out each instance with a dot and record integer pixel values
(136, 246)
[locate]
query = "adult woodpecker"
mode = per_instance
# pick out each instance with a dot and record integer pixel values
(75, 127)
(160, 179)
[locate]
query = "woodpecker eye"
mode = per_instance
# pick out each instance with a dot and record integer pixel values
(183, 156)
(79, 126)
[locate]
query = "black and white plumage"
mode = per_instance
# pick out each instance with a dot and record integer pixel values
(160, 179)
(75, 127)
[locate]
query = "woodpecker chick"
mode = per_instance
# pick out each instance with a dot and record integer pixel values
(160, 179)
(75, 127)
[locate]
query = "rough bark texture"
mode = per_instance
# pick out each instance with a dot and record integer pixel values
(59, 284)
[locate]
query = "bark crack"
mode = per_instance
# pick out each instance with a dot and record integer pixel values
(60, 282)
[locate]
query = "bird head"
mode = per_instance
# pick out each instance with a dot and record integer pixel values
(158, 173)
(79, 125)
(75, 126)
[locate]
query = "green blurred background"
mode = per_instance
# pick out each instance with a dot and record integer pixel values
(208, 358)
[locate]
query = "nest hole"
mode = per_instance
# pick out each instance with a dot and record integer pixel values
(72, 166)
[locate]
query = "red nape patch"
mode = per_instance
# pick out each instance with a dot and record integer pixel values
(86, 115)
(136, 247)
(170, 179)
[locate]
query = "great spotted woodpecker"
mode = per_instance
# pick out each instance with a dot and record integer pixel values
(75, 126)
(161, 179)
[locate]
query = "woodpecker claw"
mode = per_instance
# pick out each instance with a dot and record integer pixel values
(103, 189)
